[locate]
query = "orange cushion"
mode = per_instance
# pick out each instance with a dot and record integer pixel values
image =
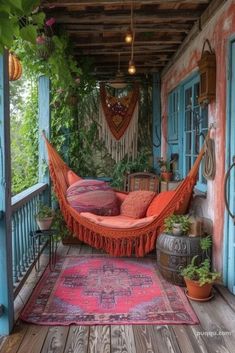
(159, 203)
(119, 221)
(72, 177)
(136, 203)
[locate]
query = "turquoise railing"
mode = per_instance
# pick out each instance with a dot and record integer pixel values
(24, 207)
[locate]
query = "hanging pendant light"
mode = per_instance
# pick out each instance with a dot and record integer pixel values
(131, 67)
(129, 34)
(119, 81)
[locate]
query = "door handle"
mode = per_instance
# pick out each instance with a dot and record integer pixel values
(227, 175)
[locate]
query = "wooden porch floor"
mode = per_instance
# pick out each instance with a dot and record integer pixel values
(216, 332)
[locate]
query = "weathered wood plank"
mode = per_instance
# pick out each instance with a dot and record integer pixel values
(188, 339)
(55, 340)
(77, 341)
(75, 249)
(227, 296)
(122, 339)
(12, 343)
(99, 339)
(63, 3)
(85, 249)
(166, 340)
(145, 339)
(33, 341)
(217, 325)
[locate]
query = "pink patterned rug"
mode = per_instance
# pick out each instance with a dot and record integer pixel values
(99, 290)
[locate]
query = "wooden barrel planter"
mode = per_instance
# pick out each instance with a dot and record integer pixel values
(175, 252)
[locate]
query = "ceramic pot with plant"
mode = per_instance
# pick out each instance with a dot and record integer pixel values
(198, 277)
(44, 217)
(177, 225)
(166, 169)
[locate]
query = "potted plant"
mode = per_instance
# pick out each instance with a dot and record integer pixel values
(166, 169)
(177, 224)
(44, 216)
(198, 277)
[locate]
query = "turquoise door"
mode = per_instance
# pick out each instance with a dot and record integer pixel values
(229, 236)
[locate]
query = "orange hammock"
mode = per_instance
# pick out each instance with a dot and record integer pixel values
(116, 241)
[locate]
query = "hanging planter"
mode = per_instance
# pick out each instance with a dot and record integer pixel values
(45, 47)
(15, 67)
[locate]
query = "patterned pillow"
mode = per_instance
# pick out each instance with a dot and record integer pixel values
(136, 203)
(159, 202)
(93, 196)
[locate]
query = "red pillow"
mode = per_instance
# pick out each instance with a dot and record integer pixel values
(159, 203)
(93, 196)
(136, 203)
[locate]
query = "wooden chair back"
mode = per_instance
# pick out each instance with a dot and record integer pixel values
(142, 181)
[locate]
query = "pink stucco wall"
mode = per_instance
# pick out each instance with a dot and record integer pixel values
(218, 30)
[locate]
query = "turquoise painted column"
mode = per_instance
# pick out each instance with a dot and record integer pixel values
(156, 98)
(44, 123)
(6, 272)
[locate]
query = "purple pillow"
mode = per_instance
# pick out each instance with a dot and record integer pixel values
(93, 196)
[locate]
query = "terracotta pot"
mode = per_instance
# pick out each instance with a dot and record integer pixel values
(166, 176)
(45, 223)
(196, 291)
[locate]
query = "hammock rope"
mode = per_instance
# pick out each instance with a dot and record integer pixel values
(116, 241)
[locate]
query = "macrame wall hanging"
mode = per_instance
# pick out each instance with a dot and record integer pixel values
(119, 123)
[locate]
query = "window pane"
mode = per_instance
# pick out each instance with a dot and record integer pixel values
(188, 142)
(188, 121)
(204, 115)
(188, 98)
(196, 118)
(196, 94)
(188, 164)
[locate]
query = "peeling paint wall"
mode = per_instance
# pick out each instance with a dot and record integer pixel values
(218, 30)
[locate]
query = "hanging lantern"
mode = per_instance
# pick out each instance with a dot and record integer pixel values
(207, 70)
(15, 67)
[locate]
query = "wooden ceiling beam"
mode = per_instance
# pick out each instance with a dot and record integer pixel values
(62, 3)
(171, 16)
(138, 57)
(111, 51)
(151, 44)
(91, 29)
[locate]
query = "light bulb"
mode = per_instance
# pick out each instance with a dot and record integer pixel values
(131, 68)
(129, 37)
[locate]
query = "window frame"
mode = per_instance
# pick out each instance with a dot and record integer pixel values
(180, 90)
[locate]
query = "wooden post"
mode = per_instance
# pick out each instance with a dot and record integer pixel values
(44, 122)
(6, 271)
(156, 92)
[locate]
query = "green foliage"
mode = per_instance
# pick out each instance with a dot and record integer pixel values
(43, 211)
(183, 220)
(63, 71)
(60, 225)
(201, 272)
(206, 243)
(126, 166)
(24, 134)
(17, 21)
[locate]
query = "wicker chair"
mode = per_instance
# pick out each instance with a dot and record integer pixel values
(142, 181)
